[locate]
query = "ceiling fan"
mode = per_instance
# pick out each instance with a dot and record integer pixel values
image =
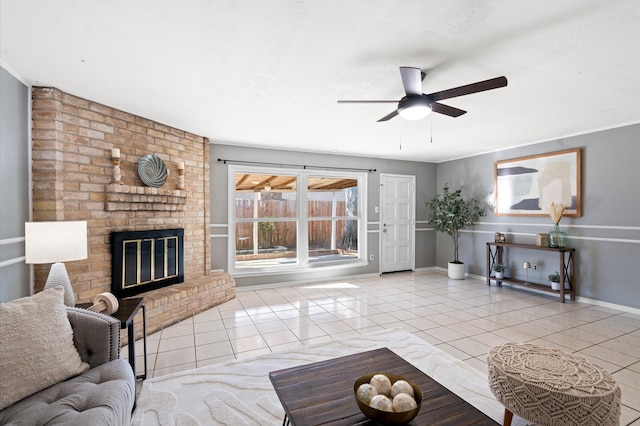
(416, 105)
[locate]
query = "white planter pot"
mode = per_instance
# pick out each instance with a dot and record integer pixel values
(500, 275)
(556, 286)
(456, 271)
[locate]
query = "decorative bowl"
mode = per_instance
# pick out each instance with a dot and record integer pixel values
(385, 417)
(152, 171)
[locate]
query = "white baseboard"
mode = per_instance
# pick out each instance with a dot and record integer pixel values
(615, 306)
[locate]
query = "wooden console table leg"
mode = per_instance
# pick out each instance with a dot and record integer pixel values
(488, 264)
(563, 276)
(499, 260)
(571, 275)
(508, 416)
(492, 259)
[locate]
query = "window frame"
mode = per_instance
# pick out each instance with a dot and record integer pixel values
(302, 220)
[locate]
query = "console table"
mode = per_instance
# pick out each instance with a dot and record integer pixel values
(566, 267)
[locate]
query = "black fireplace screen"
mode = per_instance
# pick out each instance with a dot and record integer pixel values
(146, 260)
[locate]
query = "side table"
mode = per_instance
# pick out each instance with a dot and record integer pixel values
(127, 310)
(126, 313)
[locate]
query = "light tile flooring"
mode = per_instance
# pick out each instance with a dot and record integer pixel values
(464, 318)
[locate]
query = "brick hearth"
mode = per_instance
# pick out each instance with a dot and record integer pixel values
(169, 305)
(73, 180)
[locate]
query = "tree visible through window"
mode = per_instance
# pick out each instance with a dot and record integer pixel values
(349, 238)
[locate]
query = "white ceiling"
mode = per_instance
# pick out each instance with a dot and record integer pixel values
(268, 73)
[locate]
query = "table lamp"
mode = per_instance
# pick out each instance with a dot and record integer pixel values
(526, 266)
(56, 242)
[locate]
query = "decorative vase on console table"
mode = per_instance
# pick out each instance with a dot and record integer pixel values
(557, 238)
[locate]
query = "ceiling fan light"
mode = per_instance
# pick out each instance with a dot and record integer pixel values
(415, 112)
(414, 107)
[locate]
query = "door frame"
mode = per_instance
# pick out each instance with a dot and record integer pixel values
(381, 218)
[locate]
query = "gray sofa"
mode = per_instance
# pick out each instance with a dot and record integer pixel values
(103, 395)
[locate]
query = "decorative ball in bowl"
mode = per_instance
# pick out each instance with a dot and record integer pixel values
(387, 398)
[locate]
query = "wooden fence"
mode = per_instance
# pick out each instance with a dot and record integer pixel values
(273, 233)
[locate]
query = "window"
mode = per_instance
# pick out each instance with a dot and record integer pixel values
(285, 220)
(266, 220)
(332, 217)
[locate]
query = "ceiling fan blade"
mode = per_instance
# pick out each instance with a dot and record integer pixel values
(411, 80)
(480, 86)
(389, 116)
(366, 102)
(447, 110)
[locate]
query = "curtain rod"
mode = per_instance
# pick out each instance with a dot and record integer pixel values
(262, 163)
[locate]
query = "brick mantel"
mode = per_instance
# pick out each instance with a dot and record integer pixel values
(73, 174)
(126, 197)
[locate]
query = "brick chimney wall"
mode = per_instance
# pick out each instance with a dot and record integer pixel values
(73, 175)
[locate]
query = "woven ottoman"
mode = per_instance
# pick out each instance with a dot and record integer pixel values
(551, 387)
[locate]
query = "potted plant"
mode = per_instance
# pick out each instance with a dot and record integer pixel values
(554, 279)
(450, 213)
(499, 269)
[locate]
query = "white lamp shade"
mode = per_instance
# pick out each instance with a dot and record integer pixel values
(51, 242)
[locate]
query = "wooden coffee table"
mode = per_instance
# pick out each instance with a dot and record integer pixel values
(321, 393)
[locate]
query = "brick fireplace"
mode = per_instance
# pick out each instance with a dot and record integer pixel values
(73, 180)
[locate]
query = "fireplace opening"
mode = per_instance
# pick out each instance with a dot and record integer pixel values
(146, 260)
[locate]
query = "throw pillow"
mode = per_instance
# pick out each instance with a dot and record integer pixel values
(36, 345)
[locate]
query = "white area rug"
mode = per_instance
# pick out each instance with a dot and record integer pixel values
(240, 393)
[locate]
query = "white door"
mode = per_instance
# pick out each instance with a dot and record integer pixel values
(398, 199)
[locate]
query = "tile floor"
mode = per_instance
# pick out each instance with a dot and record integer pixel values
(464, 318)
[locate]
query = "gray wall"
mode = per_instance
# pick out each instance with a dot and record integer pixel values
(606, 237)
(14, 186)
(425, 188)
